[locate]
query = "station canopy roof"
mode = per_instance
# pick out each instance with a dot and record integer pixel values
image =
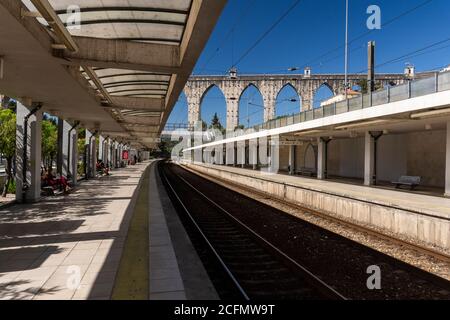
(135, 54)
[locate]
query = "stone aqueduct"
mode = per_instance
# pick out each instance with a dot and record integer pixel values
(269, 86)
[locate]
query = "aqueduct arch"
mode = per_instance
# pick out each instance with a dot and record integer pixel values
(269, 86)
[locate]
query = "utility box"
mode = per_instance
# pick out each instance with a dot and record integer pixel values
(307, 72)
(410, 71)
(233, 74)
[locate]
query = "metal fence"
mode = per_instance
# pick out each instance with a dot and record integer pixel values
(412, 89)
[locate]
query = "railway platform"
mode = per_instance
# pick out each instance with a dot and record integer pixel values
(109, 239)
(417, 217)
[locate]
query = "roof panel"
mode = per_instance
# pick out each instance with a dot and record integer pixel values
(161, 21)
(150, 88)
(134, 31)
(162, 4)
(110, 14)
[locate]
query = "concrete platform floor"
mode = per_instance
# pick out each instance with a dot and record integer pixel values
(397, 198)
(72, 247)
(6, 200)
(47, 247)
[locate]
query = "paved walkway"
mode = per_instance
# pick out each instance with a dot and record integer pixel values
(68, 247)
(438, 206)
(6, 200)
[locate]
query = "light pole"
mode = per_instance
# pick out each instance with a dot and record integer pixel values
(346, 49)
(248, 117)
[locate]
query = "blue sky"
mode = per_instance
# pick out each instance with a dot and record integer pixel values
(313, 28)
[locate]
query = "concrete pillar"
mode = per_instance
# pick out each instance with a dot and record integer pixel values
(101, 148)
(87, 153)
(262, 151)
(63, 147)
(274, 154)
(218, 154)
(321, 158)
(112, 151)
(193, 109)
(369, 159)
(232, 113)
(91, 160)
(292, 159)
(113, 154)
(447, 163)
(106, 152)
(253, 153)
(33, 151)
(110, 154)
(269, 109)
(307, 97)
(119, 155)
(241, 153)
(73, 161)
(229, 154)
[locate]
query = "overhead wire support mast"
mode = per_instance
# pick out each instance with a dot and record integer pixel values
(387, 23)
(346, 50)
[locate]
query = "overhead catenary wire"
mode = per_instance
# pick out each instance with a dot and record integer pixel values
(316, 60)
(384, 25)
(408, 55)
(267, 32)
(228, 35)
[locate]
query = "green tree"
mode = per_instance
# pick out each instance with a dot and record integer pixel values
(364, 85)
(49, 142)
(215, 124)
(81, 149)
(7, 143)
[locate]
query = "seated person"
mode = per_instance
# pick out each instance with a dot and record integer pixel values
(101, 168)
(49, 180)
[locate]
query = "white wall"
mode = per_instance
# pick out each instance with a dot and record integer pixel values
(346, 158)
(415, 154)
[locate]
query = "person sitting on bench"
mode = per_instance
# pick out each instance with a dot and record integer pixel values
(49, 180)
(101, 168)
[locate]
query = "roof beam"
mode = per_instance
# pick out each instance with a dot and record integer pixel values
(129, 103)
(121, 54)
(150, 121)
(203, 17)
(93, 76)
(47, 12)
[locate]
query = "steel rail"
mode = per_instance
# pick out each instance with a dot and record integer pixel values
(219, 258)
(434, 253)
(265, 241)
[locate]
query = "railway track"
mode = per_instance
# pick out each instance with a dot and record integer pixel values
(420, 248)
(339, 263)
(256, 267)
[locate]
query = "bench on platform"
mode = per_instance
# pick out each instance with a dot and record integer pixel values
(304, 171)
(47, 191)
(407, 181)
